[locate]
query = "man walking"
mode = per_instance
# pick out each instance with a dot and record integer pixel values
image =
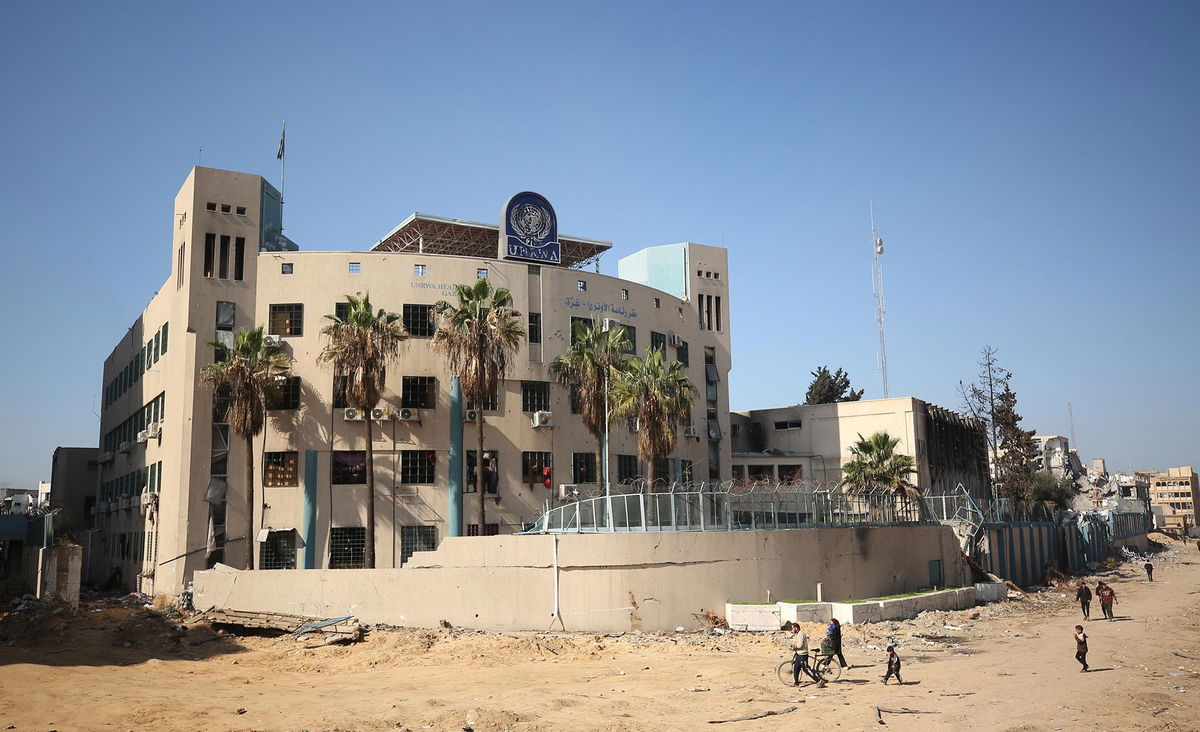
(799, 646)
(1081, 648)
(1084, 595)
(1149, 571)
(1107, 597)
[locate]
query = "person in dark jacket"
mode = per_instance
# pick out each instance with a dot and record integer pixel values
(1084, 595)
(834, 633)
(1149, 570)
(893, 665)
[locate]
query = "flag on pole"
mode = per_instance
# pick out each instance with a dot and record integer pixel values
(279, 155)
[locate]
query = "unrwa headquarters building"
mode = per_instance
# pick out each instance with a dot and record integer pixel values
(171, 493)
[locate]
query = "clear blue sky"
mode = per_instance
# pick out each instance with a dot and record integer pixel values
(1033, 167)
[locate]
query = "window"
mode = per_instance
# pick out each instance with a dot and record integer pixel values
(685, 471)
(535, 270)
(416, 539)
(534, 465)
(535, 328)
(341, 310)
(624, 294)
(210, 253)
(417, 466)
(714, 429)
(488, 529)
(347, 547)
(581, 285)
(711, 375)
(575, 320)
(286, 320)
(286, 268)
(279, 469)
(788, 424)
(681, 353)
(576, 404)
(716, 275)
(657, 303)
(583, 467)
(491, 472)
(418, 320)
(658, 340)
(210, 206)
(419, 270)
(631, 338)
(223, 258)
(241, 210)
(491, 403)
(226, 315)
(164, 338)
(535, 396)
(226, 208)
(481, 273)
(348, 467)
(287, 394)
(339, 391)
(418, 392)
(699, 273)
(278, 551)
(179, 261)
(627, 468)
(239, 254)
(355, 267)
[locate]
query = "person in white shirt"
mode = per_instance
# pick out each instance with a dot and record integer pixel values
(799, 646)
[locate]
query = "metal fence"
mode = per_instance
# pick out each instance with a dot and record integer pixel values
(729, 507)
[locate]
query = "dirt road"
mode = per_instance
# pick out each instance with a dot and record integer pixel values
(1008, 666)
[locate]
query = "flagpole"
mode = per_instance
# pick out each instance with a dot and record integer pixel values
(282, 170)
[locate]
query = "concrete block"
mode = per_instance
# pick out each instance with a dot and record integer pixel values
(753, 617)
(805, 612)
(986, 592)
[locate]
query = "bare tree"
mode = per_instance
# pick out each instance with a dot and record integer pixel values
(980, 399)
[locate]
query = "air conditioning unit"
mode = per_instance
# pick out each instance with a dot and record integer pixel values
(126, 446)
(543, 419)
(123, 502)
(350, 414)
(142, 436)
(470, 415)
(635, 424)
(568, 491)
(409, 415)
(675, 340)
(608, 324)
(273, 340)
(106, 457)
(382, 414)
(691, 431)
(153, 429)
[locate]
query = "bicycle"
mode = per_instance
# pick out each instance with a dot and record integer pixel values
(824, 665)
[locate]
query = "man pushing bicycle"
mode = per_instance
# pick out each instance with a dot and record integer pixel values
(799, 646)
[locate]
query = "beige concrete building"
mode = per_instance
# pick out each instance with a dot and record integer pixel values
(812, 442)
(171, 492)
(1174, 496)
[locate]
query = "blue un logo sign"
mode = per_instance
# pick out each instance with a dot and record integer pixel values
(529, 229)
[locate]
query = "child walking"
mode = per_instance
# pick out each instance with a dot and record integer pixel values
(893, 665)
(1081, 648)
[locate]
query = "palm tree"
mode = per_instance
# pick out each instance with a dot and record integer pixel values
(659, 395)
(875, 465)
(478, 336)
(249, 371)
(586, 367)
(360, 346)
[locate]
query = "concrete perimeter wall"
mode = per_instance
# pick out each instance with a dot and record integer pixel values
(604, 582)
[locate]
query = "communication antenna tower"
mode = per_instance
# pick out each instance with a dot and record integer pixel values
(1071, 417)
(877, 272)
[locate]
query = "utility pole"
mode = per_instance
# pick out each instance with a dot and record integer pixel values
(877, 273)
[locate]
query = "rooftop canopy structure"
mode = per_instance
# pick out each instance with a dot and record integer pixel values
(425, 234)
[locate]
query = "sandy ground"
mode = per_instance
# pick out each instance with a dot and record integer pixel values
(1008, 666)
